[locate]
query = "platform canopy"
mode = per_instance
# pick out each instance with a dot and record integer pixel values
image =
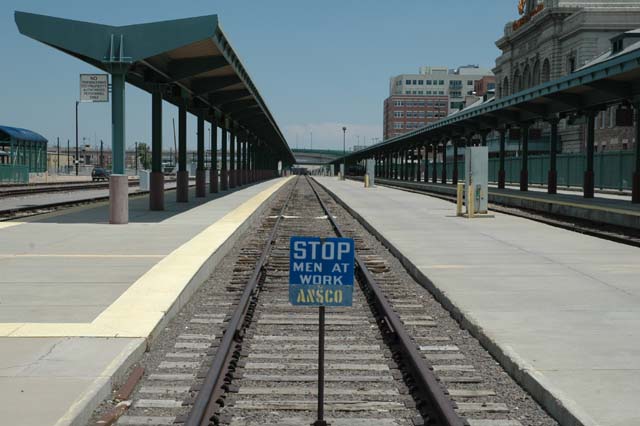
(189, 59)
(612, 78)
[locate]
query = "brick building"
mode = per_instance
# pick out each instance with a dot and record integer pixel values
(403, 113)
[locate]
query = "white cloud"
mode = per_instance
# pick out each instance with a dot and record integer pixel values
(329, 135)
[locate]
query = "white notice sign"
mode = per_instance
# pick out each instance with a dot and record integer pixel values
(94, 88)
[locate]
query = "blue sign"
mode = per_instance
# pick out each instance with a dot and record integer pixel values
(321, 271)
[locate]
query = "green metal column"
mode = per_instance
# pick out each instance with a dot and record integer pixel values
(455, 162)
(224, 175)
(552, 178)
(213, 172)
(182, 189)
(635, 187)
(501, 172)
(232, 157)
(239, 159)
(156, 187)
(434, 172)
(201, 180)
(589, 180)
(524, 168)
(117, 123)
(444, 161)
(426, 162)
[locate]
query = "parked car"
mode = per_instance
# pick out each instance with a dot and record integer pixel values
(99, 173)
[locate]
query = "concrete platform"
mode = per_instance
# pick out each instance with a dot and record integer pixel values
(604, 208)
(81, 299)
(560, 310)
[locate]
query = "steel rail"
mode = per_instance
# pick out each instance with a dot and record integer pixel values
(40, 188)
(206, 402)
(421, 369)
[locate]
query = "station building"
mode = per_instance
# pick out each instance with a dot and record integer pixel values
(554, 38)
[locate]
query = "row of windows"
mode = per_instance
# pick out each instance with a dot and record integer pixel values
(419, 114)
(424, 92)
(410, 125)
(433, 82)
(420, 103)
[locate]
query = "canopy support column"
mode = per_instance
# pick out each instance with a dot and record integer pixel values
(552, 178)
(232, 157)
(635, 194)
(118, 183)
(588, 186)
(444, 161)
(224, 174)
(454, 179)
(182, 189)
(201, 177)
(213, 171)
(524, 169)
(501, 172)
(156, 182)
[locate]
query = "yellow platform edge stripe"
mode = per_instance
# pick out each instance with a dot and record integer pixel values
(142, 307)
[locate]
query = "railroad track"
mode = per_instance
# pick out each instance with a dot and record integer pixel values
(19, 190)
(242, 356)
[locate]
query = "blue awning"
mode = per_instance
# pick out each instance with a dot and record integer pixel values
(22, 134)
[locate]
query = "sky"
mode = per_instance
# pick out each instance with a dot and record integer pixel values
(318, 64)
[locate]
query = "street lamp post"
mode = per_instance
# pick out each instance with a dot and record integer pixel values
(344, 153)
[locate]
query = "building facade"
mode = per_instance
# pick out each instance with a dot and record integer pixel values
(416, 100)
(554, 38)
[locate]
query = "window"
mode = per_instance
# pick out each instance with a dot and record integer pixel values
(415, 82)
(420, 92)
(429, 103)
(441, 92)
(407, 92)
(429, 114)
(455, 83)
(398, 114)
(398, 82)
(420, 82)
(429, 82)
(398, 103)
(408, 82)
(428, 92)
(469, 82)
(421, 103)
(421, 114)
(397, 125)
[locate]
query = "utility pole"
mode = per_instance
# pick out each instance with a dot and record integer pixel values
(135, 158)
(344, 152)
(58, 167)
(68, 152)
(101, 153)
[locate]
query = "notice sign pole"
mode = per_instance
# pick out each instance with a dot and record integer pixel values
(320, 421)
(321, 274)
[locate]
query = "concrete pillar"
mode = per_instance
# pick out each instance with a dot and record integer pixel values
(454, 179)
(589, 176)
(444, 161)
(524, 168)
(501, 172)
(552, 177)
(484, 136)
(418, 161)
(405, 164)
(239, 159)
(201, 178)
(182, 189)
(118, 183)
(213, 171)
(434, 172)
(635, 191)
(156, 188)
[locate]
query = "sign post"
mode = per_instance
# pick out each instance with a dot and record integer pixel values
(321, 273)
